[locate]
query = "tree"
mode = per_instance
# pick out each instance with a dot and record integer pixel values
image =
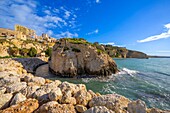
(48, 51)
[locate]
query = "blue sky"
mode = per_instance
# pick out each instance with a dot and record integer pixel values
(142, 25)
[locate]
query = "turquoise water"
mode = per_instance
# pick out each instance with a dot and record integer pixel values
(145, 79)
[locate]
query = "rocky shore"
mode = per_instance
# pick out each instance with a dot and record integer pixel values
(22, 92)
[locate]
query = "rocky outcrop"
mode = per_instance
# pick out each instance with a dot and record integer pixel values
(137, 107)
(27, 106)
(136, 54)
(122, 52)
(71, 59)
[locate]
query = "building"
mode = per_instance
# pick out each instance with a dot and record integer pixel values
(7, 33)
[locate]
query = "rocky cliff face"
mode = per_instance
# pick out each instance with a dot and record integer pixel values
(136, 54)
(72, 57)
(122, 52)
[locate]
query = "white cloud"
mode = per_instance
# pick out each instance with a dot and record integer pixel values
(163, 35)
(50, 32)
(26, 13)
(47, 12)
(93, 32)
(66, 34)
(113, 44)
(97, 1)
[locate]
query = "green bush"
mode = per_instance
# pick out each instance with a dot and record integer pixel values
(24, 52)
(48, 52)
(32, 52)
(13, 51)
(76, 50)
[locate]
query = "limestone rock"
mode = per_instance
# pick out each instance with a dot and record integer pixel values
(9, 80)
(137, 106)
(18, 98)
(83, 97)
(114, 102)
(54, 107)
(27, 106)
(51, 86)
(41, 95)
(72, 87)
(80, 108)
(155, 110)
(16, 87)
(2, 90)
(92, 93)
(69, 59)
(67, 98)
(37, 80)
(55, 95)
(99, 109)
(29, 90)
(5, 100)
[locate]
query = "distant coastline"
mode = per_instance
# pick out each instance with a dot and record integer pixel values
(158, 56)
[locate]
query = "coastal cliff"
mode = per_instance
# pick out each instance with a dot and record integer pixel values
(73, 57)
(22, 92)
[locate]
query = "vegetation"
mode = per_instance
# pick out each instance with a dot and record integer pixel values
(14, 51)
(76, 50)
(66, 48)
(48, 52)
(32, 52)
(24, 52)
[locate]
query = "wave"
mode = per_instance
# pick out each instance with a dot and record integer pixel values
(128, 71)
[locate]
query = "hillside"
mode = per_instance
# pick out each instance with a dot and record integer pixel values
(13, 47)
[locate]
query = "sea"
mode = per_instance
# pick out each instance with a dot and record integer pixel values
(145, 79)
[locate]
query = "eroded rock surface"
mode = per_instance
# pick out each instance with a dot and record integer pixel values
(70, 59)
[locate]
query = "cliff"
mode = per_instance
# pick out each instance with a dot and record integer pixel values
(73, 57)
(121, 52)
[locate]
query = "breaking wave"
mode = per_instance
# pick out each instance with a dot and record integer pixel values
(128, 71)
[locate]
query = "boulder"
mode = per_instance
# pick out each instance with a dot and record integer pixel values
(16, 87)
(55, 95)
(72, 87)
(137, 106)
(114, 102)
(29, 90)
(41, 95)
(67, 98)
(27, 106)
(155, 110)
(83, 97)
(54, 107)
(17, 98)
(51, 86)
(2, 90)
(80, 108)
(70, 60)
(9, 80)
(37, 80)
(5, 100)
(99, 109)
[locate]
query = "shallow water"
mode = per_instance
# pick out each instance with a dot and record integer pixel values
(145, 79)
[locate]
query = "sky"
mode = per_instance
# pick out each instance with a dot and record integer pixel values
(142, 25)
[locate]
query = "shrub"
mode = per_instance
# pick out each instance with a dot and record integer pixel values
(24, 52)
(66, 48)
(32, 52)
(13, 51)
(48, 51)
(76, 50)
